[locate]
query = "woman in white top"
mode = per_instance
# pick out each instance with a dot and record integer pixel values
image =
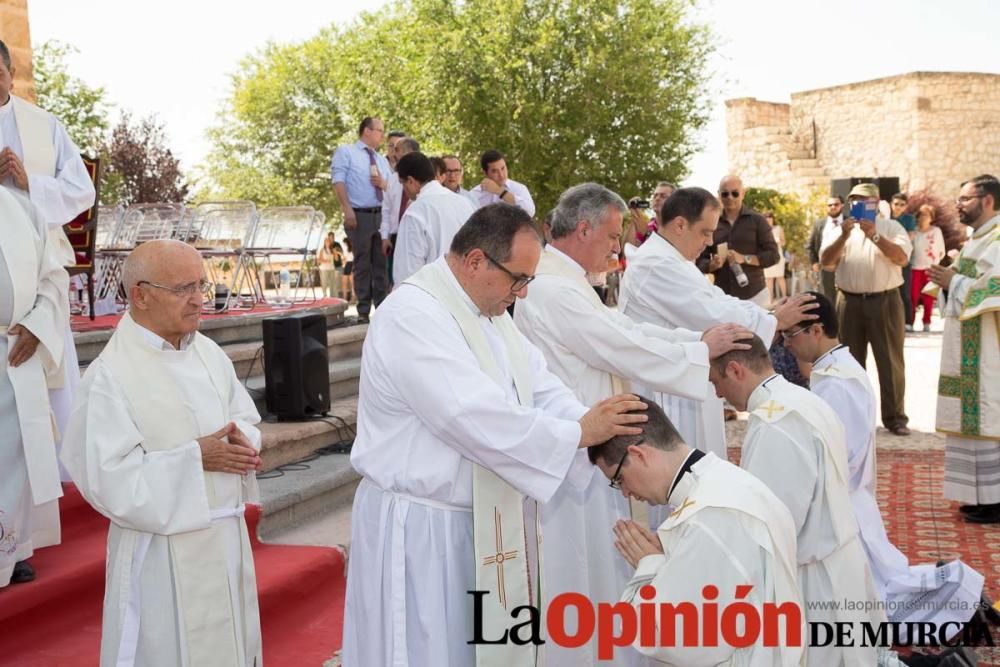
(928, 249)
(776, 272)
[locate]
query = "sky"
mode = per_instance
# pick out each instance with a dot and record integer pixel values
(175, 58)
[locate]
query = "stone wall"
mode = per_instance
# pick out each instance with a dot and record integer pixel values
(15, 34)
(931, 129)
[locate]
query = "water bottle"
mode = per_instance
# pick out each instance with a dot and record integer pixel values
(285, 287)
(741, 278)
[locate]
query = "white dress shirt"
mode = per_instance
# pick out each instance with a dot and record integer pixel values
(521, 196)
(427, 228)
(863, 268)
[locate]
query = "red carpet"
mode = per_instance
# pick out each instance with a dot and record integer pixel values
(55, 621)
(80, 323)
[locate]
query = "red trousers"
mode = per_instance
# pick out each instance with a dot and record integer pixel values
(918, 280)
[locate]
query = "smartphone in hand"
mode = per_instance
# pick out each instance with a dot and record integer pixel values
(864, 210)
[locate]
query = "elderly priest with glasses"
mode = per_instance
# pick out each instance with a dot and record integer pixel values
(161, 441)
(462, 430)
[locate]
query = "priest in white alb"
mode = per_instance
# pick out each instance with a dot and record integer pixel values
(162, 441)
(948, 593)
(968, 409)
(40, 161)
(461, 432)
(597, 351)
(432, 219)
(728, 530)
(33, 297)
(661, 285)
(795, 444)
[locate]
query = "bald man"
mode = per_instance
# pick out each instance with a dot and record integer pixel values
(749, 246)
(161, 441)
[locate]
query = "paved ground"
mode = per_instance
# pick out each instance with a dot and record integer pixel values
(922, 355)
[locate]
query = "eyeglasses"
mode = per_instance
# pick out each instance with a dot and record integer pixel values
(453, 171)
(206, 288)
(785, 335)
(520, 281)
(833, 204)
(729, 193)
(962, 201)
(616, 480)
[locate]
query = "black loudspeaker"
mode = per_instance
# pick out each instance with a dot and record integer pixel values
(296, 366)
(887, 186)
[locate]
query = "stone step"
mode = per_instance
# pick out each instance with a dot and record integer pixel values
(345, 375)
(285, 442)
(802, 163)
(241, 327)
(799, 154)
(343, 342)
(809, 172)
(311, 505)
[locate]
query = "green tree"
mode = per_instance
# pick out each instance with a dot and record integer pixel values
(82, 109)
(570, 90)
(276, 133)
(793, 213)
(612, 91)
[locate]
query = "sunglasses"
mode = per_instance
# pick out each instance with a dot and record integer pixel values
(729, 193)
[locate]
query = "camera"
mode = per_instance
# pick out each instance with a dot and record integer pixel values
(636, 202)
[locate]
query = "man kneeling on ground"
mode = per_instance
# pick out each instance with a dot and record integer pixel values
(728, 531)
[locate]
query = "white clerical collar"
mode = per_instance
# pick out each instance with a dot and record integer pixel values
(680, 485)
(828, 357)
(159, 343)
(760, 394)
(566, 258)
(466, 299)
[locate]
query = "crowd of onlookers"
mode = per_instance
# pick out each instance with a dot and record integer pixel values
(879, 279)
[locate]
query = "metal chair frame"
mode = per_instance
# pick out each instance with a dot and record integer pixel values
(285, 231)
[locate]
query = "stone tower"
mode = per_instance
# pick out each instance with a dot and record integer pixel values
(931, 129)
(16, 35)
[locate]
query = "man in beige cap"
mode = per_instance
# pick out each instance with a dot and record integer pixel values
(868, 257)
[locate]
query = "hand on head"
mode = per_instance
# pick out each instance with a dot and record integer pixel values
(790, 311)
(609, 418)
(725, 338)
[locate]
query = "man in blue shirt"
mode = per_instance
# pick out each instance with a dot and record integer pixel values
(360, 177)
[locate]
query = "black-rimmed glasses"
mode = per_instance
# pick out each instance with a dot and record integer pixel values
(520, 281)
(616, 479)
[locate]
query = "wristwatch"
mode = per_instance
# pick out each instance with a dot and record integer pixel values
(747, 258)
(876, 237)
(504, 193)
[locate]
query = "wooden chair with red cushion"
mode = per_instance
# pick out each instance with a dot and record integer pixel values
(82, 234)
